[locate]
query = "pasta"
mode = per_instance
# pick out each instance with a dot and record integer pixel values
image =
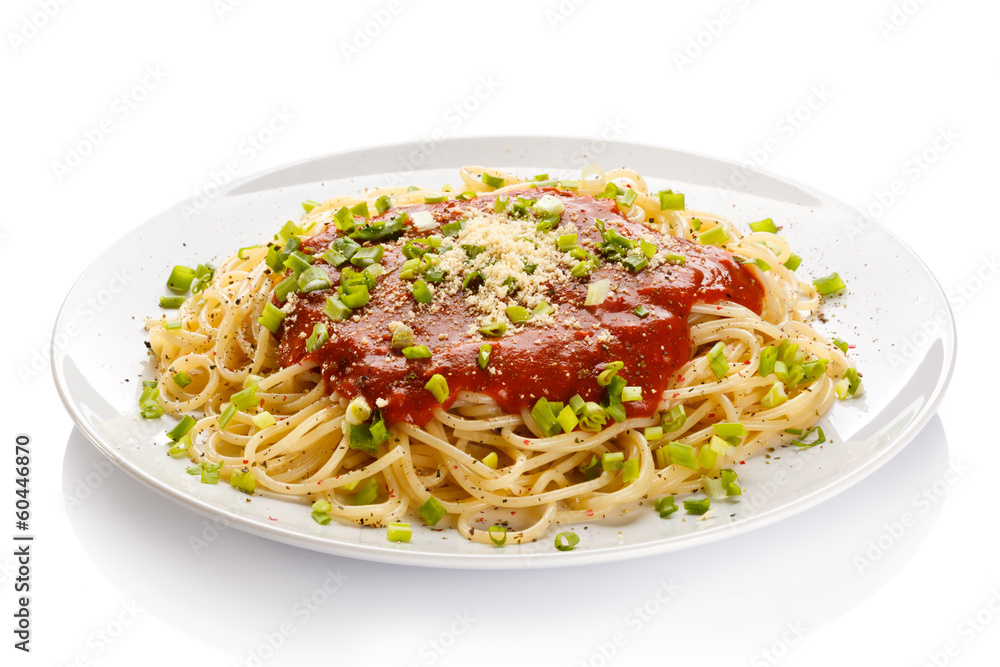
(595, 343)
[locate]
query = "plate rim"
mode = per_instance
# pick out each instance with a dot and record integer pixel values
(496, 561)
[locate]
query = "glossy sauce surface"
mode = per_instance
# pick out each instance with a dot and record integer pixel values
(529, 361)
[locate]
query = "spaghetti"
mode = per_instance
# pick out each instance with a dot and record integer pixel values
(550, 350)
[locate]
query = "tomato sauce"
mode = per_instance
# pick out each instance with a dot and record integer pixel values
(529, 361)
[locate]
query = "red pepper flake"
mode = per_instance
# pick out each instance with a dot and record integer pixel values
(246, 461)
(589, 512)
(271, 517)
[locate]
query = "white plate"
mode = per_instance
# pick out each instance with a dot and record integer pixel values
(894, 311)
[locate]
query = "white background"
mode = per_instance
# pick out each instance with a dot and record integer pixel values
(840, 96)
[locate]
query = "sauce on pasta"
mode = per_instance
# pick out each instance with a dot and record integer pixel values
(529, 361)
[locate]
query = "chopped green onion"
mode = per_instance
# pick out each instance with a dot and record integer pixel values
(483, 358)
(271, 318)
(171, 301)
(172, 324)
(765, 225)
(181, 448)
(398, 532)
(695, 224)
(630, 471)
(593, 418)
(322, 518)
(438, 386)
(368, 493)
(242, 252)
(318, 336)
(432, 511)
(286, 287)
(402, 336)
(149, 406)
(308, 205)
(498, 535)
(245, 398)
(545, 417)
(181, 379)
(701, 506)
(186, 423)
(227, 415)
(670, 201)
(729, 429)
(775, 396)
(436, 199)
(854, 381)
(244, 481)
(713, 488)
(263, 420)
(635, 263)
(717, 360)
(367, 256)
(180, 279)
(543, 308)
(673, 419)
(583, 268)
(566, 242)
(518, 314)
(312, 279)
(495, 330)
(209, 472)
(640, 311)
(360, 438)
(567, 541)
(715, 236)
(567, 419)
(841, 345)
(421, 292)
(665, 506)
(383, 204)
(597, 292)
(631, 394)
(298, 261)
(728, 478)
(493, 181)
(417, 352)
(500, 204)
(829, 284)
(358, 411)
(674, 258)
(793, 262)
(768, 357)
(820, 438)
(491, 460)
(628, 197)
(609, 372)
(335, 309)
(653, 433)
(682, 455)
(380, 432)
(612, 461)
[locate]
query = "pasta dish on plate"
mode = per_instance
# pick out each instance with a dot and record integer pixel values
(501, 356)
